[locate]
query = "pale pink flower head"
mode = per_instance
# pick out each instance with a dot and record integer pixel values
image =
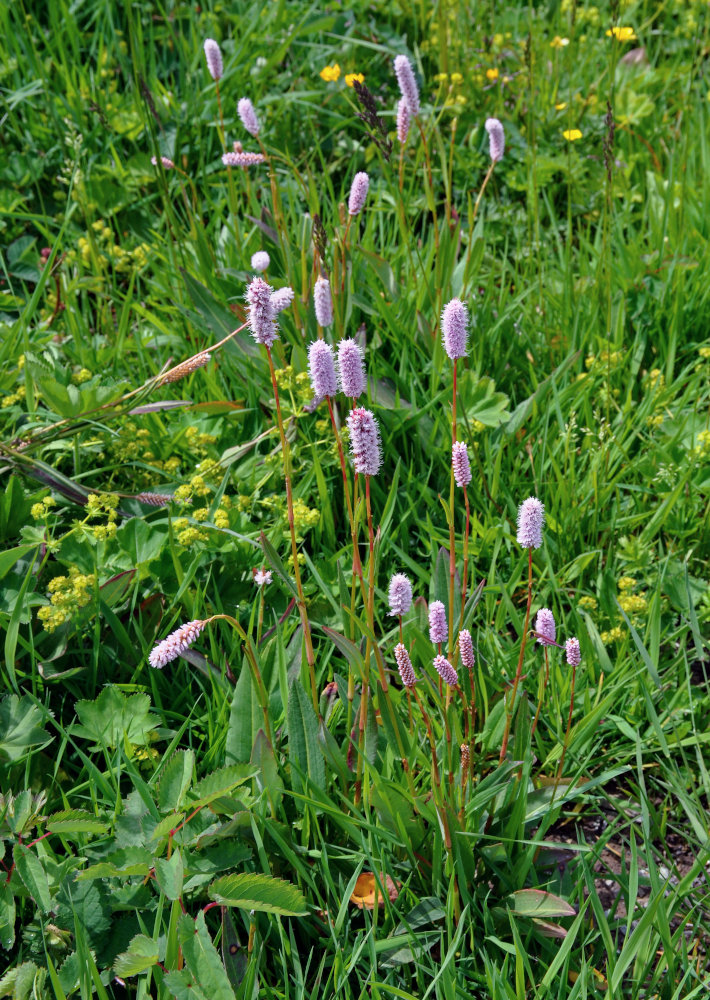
(175, 644)
(358, 193)
(260, 312)
(242, 159)
(438, 629)
(404, 665)
(260, 260)
(282, 299)
(323, 302)
(262, 577)
(321, 368)
(496, 139)
(403, 120)
(246, 112)
(214, 59)
(445, 670)
(400, 594)
(454, 328)
(364, 441)
(351, 369)
(407, 84)
(545, 627)
(574, 655)
(167, 163)
(531, 517)
(460, 464)
(468, 657)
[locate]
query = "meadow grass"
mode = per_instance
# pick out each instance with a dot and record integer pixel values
(274, 813)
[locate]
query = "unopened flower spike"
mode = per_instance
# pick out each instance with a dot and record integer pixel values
(351, 369)
(214, 59)
(460, 464)
(167, 163)
(496, 139)
(466, 648)
(260, 260)
(364, 441)
(445, 670)
(407, 84)
(323, 302)
(454, 328)
(242, 159)
(185, 369)
(400, 594)
(531, 517)
(574, 655)
(321, 369)
(247, 114)
(403, 120)
(438, 629)
(175, 644)
(404, 665)
(545, 627)
(358, 193)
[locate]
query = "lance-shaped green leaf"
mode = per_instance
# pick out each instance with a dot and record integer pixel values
(142, 954)
(254, 891)
(175, 780)
(202, 958)
(30, 870)
(7, 916)
(540, 904)
(303, 735)
(220, 783)
(169, 875)
(75, 821)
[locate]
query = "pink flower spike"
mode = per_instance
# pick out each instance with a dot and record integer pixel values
(468, 657)
(323, 302)
(167, 164)
(321, 368)
(438, 629)
(214, 59)
(260, 314)
(545, 627)
(460, 464)
(358, 193)
(404, 665)
(574, 655)
(400, 594)
(403, 120)
(246, 112)
(446, 671)
(351, 369)
(454, 328)
(175, 644)
(364, 441)
(531, 517)
(260, 260)
(496, 139)
(282, 299)
(242, 159)
(407, 84)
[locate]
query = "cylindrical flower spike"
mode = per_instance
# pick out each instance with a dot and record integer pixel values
(260, 314)
(247, 114)
(545, 627)
(167, 163)
(175, 644)
(468, 657)
(364, 441)
(465, 757)
(496, 139)
(460, 464)
(185, 369)
(403, 120)
(321, 368)
(282, 299)
(242, 159)
(446, 671)
(438, 629)
(531, 517)
(155, 499)
(351, 369)
(214, 59)
(358, 193)
(574, 655)
(260, 260)
(323, 302)
(407, 84)
(454, 328)
(404, 665)
(400, 594)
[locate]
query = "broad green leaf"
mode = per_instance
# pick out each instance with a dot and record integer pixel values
(220, 783)
(233, 955)
(303, 735)
(245, 718)
(75, 821)
(7, 916)
(254, 891)
(142, 954)
(268, 777)
(140, 540)
(9, 557)
(21, 727)
(30, 870)
(540, 904)
(169, 875)
(113, 718)
(19, 983)
(486, 405)
(202, 958)
(182, 985)
(167, 823)
(176, 779)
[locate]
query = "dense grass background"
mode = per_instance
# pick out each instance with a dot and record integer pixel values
(586, 384)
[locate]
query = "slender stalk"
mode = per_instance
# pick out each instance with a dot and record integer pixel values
(301, 602)
(523, 641)
(466, 536)
(541, 688)
(471, 224)
(434, 770)
(368, 646)
(357, 564)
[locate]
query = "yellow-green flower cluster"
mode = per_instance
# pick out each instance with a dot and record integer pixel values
(102, 505)
(40, 510)
(603, 361)
(98, 250)
(632, 604)
(13, 397)
(587, 603)
(81, 375)
(198, 441)
(68, 595)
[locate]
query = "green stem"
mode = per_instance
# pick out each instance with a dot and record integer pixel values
(523, 641)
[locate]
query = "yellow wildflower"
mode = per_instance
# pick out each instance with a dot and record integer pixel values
(613, 635)
(561, 106)
(626, 583)
(621, 34)
(492, 74)
(559, 43)
(588, 603)
(441, 77)
(456, 79)
(704, 352)
(352, 77)
(572, 134)
(330, 73)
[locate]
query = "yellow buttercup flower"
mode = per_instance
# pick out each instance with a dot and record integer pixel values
(561, 106)
(559, 43)
(492, 74)
(622, 34)
(572, 134)
(456, 79)
(330, 73)
(352, 77)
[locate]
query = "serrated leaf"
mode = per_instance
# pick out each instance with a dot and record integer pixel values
(245, 718)
(168, 823)
(120, 864)
(19, 982)
(176, 780)
(169, 875)
(540, 904)
(182, 985)
(75, 821)
(220, 783)
(202, 958)
(113, 718)
(30, 870)
(254, 891)
(142, 954)
(21, 725)
(486, 405)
